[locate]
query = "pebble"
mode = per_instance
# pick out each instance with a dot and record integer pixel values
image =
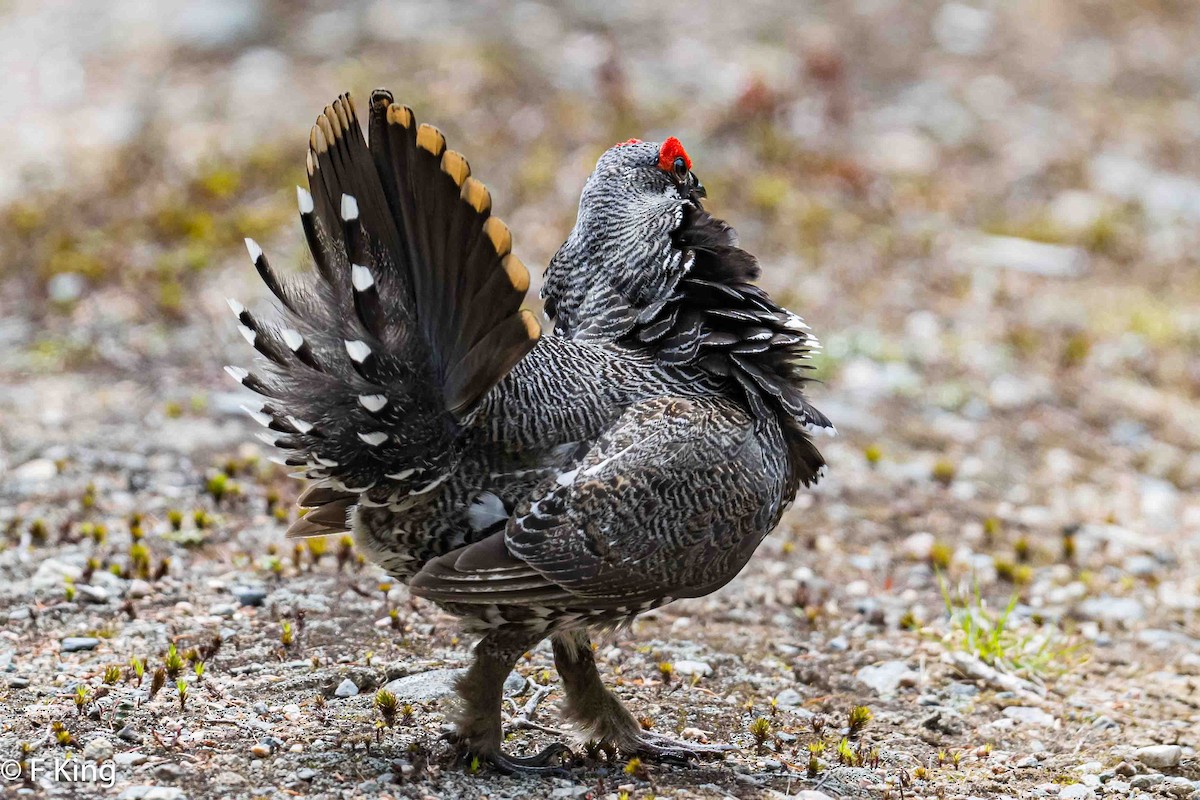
(1160, 756)
(431, 685)
(128, 734)
(98, 749)
(1077, 791)
(307, 774)
(92, 594)
(788, 698)
(346, 688)
(887, 677)
(686, 667)
(1146, 781)
(250, 595)
(223, 609)
(152, 793)
(260, 750)
(73, 644)
(139, 588)
(918, 546)
(1029, 715)
(38, 470)
(130, 759)
(1113, 610)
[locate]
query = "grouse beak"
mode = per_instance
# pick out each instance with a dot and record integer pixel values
(698, 190)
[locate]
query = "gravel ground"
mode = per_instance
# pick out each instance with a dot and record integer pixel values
(988, 211)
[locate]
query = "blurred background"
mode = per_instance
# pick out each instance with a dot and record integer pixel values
(988, 211)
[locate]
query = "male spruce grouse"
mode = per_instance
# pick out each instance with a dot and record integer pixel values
(536, 485)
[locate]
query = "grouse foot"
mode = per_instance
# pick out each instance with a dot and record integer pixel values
(598, 715)
(548, 762)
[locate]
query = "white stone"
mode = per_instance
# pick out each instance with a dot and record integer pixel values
(1076, 791)
(1160, 756)
(887, 677)
(686, 667)
(347, 688)
(38, 470)
(1029, 715)
(98, 749)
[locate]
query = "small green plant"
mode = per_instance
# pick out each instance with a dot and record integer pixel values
(760, 729)
(666, 670)
(287, 636)
(175, 517)
(112, 674)
(815, 751)
(873, 453)
(61, 735)
(69, 589)
(198, 668)
(992, 638)
(182, 687)
(859, 717)
(82, 697)
(846, 754)
(218, 486)
(173, 663)
(139, 669)
(388, 705)
(944, 471)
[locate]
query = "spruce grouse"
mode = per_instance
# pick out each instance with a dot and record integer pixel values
(534, 484)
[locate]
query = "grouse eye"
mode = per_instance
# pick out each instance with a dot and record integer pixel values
(681, 168)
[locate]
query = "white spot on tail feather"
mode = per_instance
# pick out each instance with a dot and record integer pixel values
(349, 208)
(258, 416)
(253, 249)
(267, 437)
(304, 200)
(401, 475)
(372, 402)
(358, 350)
(292, 338)
(361, 277)
(237, 373)
(374, 438)
(234, 306)
(246, 333)
(299, 424)
(485, 511)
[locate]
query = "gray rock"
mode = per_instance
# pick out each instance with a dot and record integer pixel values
(788, 698)
(223, 609)
(250, 595)
(1113, 610)
(1160, 756)
(347, 688)
(36, 471)
(92, 594)
(1146, 781)
(431, 685)
(1028, 715)
(73, 644)
(152, 793)
(128, 734)
(887, 677)
(1076, 791)
(686, 667)
(514, 684)
(307, 774)
(438, 683)
(99, 749)
(131, 759)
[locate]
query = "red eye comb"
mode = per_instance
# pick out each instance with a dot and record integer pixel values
(629, 141)
(672, 149)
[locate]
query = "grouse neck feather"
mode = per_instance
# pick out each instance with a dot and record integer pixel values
(717, 320)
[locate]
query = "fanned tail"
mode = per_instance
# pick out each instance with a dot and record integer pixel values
(412, 315)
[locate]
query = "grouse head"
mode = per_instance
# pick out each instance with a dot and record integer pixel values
(622, 252)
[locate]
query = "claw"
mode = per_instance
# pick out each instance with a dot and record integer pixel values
(547, 762)
(665, 750)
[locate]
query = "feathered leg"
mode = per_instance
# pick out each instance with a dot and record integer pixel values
(481, 692)
(599, 716)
